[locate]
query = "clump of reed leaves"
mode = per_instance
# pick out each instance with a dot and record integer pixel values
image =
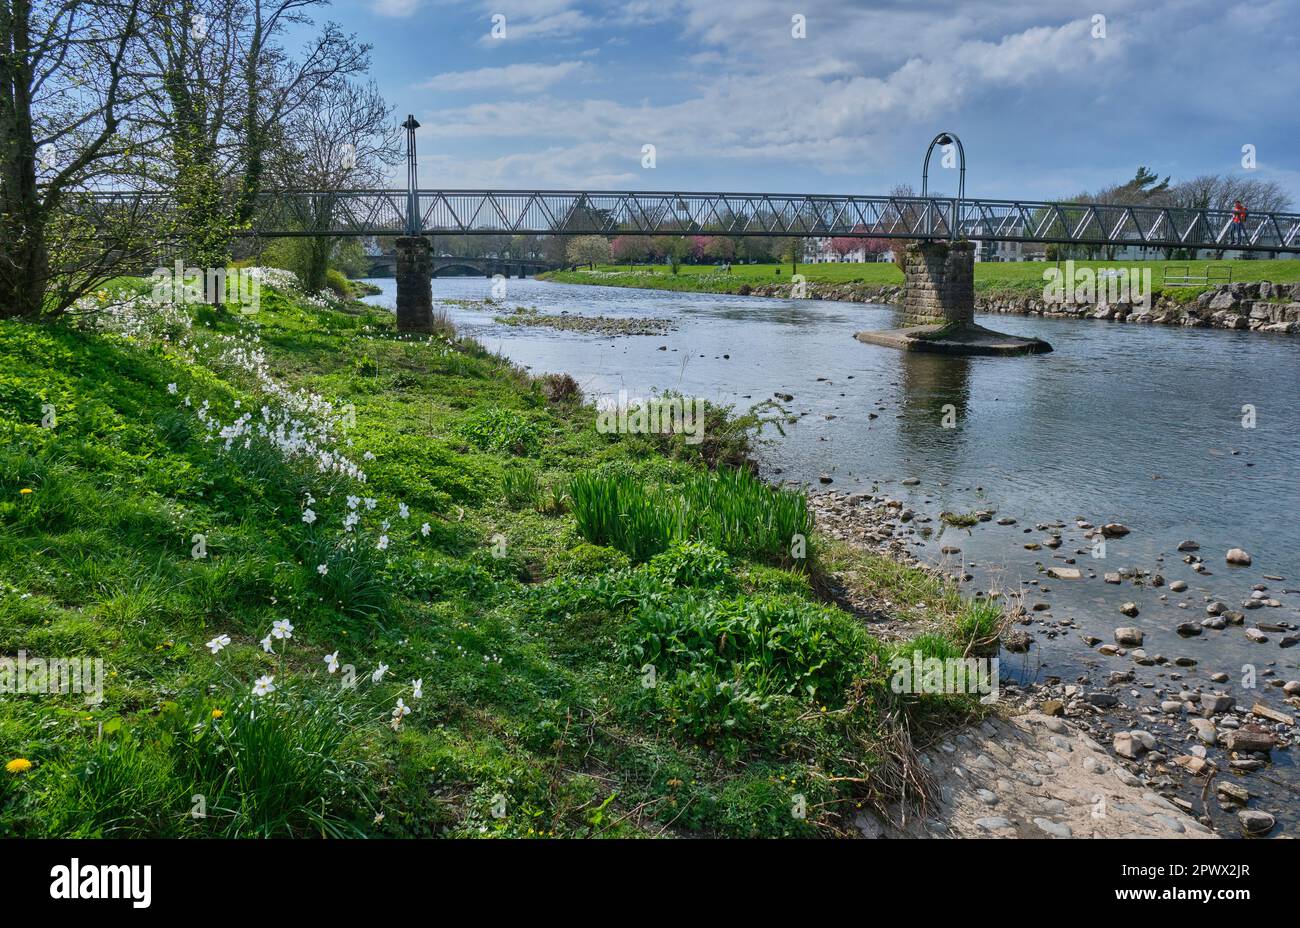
(731, 509)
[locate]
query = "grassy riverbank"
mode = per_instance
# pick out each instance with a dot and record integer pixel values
(1024, 278)
(282, 532)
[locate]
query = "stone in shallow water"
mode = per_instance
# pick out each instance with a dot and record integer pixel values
(1128, 635)
(1205, 730)
(1254, 822)
(1231, 792)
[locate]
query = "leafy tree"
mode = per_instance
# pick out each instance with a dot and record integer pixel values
(628, 249)
(588, 249)
(721, 249)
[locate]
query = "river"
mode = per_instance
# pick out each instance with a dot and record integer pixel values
(1136, 424)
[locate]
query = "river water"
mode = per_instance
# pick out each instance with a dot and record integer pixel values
(1122, 423)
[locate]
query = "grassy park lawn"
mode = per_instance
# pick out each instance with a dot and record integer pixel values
(1013, 278)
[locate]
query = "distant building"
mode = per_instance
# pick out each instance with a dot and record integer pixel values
(822, 251)
(989, 249)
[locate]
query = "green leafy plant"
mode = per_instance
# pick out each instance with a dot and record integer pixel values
(501, 430)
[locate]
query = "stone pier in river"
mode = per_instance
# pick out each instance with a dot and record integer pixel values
(938, 308)
(414, 292)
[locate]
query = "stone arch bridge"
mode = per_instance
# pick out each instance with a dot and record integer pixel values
(385, 265)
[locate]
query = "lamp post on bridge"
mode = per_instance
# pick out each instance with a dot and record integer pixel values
(412, 179)
(945, 139)
(414, 269)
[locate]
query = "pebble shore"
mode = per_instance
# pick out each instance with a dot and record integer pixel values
(1198, 739)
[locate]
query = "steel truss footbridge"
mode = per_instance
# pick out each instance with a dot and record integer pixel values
(286, 213)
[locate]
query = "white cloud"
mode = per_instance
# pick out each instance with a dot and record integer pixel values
(395, 8)
(1044, 108)
(516, 78)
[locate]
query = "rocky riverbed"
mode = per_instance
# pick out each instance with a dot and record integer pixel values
(608, 326)
(1256, 307)
(1216, 742)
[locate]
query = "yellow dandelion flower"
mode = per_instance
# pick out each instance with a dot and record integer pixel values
(19, 765)
(218, 713)
(25, 491)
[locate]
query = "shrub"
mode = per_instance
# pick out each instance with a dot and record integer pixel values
(691, 563)
(705, 705)
(585, 559)
(501, 430)
(337, 281)
(774, 644)
(561, 388)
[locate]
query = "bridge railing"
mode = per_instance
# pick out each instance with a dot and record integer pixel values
(538, 212)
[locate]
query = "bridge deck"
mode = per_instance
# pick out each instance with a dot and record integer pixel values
(541, 212)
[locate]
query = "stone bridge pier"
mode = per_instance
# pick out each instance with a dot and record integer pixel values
(938, 308)
(939, 283)
(414, 290)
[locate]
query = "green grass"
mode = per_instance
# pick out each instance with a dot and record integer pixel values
(991, 278)
(731, 509)
(959, 519)
(529, 624)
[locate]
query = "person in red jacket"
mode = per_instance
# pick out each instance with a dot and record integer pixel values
(1238, 234)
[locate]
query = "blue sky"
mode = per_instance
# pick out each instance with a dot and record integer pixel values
(732, 100)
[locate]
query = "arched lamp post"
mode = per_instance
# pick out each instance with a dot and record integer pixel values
(946, 138)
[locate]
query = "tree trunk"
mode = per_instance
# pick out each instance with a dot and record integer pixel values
(24, 256)
(318, 262)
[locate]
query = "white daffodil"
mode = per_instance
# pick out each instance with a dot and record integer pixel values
(403, 511)
(369, 456)
(308, 516)
(353, 501)
(382, 544)
(171, 388)
(401, 711)
(282, 628)
(379, 673)
(332, 661)
(425, 529)
(219, 642)
(266, 645)
(417, 689)
(322, 569)
(265, 684)
(370, 502)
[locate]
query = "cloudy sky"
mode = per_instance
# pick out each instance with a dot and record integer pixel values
(1045, 104)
